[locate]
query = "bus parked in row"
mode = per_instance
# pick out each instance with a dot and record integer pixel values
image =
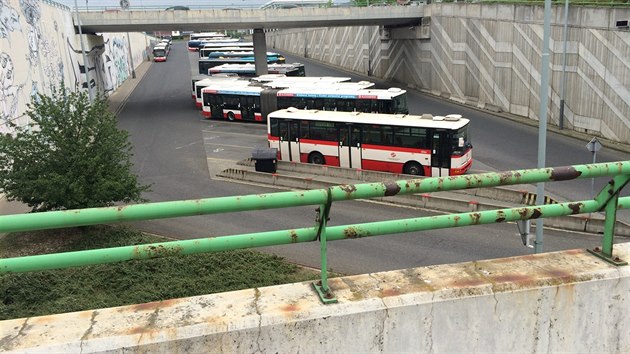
(235, 46)
(250, 103)
(206, 63)
(423, 145)
(195, 44)
(249, 70)
(201, 81)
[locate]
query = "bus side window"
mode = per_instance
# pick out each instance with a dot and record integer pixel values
(388, 135)
(274, 127)
(304, 129)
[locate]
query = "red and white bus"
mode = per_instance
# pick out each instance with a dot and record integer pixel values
(160, 52)
(255, 103)
(423, 145)
(201, 81)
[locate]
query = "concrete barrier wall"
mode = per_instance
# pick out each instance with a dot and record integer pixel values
(488, 56)
(39, 49)
(568, 301)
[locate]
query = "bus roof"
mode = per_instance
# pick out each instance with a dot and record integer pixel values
(313, 80)
(231, 44)
(247, 68)
(323, 91)
(280, 84)
(451, 121)
(218, 79)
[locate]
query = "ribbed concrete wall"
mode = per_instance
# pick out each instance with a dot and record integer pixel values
(569, 301)
(39, 49)
(489, 55)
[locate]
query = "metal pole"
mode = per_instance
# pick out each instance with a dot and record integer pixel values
(207, 206)
(85, 62)
(291, 236)
(542, 122)
(133, 70)
(563, 82)
(593, 179)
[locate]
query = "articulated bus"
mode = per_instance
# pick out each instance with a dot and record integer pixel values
(423, 145)
(195, 44)
(249, 70)
(251, 89)
(206, 63)
(213, 47)
(237, 54)
(205, 52)
(251, 103)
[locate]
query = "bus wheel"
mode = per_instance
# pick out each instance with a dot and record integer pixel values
(230, 116)
(413, 168)
(316, 158)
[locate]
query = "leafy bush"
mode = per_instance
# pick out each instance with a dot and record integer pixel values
(70, 156)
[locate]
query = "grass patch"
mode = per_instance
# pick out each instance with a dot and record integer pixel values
(125, 283)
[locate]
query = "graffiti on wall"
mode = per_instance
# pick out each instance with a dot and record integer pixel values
(39, 50)
(9, 90)
(9, 20)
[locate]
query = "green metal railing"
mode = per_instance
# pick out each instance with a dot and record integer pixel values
(607, 200)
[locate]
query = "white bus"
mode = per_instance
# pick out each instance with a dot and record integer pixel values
(212, 47)
(293, 69)
(199, 82)
(254, 102)
(423, 145)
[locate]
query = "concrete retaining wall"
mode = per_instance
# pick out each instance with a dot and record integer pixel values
(567, 301)
(488, 56)
(39, 49)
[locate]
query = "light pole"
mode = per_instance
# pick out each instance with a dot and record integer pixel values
(133, 70)
(85, 63)
(563, 82)
(542, 121)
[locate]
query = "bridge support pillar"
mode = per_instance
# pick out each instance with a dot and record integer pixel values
(260, 51)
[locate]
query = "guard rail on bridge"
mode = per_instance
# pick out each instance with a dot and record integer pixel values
(607, 200)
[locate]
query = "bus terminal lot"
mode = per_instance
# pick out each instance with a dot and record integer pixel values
(177, 150)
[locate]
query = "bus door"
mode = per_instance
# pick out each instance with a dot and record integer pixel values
(440, 153)
(349, 146)
(289, 141)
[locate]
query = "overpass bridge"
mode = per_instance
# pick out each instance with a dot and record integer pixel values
(257, 19)
(220, 19)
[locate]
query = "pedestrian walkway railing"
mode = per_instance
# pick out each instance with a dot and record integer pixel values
(607, 200)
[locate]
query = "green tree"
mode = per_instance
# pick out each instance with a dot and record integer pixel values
(70, 156)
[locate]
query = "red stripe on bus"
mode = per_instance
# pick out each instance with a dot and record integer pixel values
(258, 117)
(198, 104)
(396, 148)
(272, 138)
(319, 142)
(206, 114)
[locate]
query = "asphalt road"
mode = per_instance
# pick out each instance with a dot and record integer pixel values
(178, 152)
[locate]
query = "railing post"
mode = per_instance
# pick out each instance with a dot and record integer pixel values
(611, 193)
(321, 286)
